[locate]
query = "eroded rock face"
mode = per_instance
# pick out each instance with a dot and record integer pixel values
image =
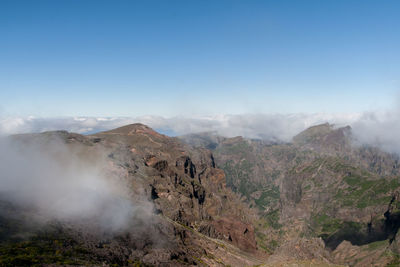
(322, 184)
(184, 187)
(233, 230)
(300, 249)
(367, 255)
(319, 199)
(185, 163)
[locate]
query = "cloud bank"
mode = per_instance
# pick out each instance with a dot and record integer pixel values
(381, 129)
(264, 126)
(57, 184)
(374, 128)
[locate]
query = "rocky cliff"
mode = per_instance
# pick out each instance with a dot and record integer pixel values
(324, 185)
(194, 218)
(321, 200)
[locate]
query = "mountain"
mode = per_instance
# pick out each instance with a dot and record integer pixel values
(146, 199)
(195, 219)
(321, 185)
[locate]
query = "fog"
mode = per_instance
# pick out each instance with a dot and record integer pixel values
(377, 128)
(265, 126)
(381, 129)
(56, 184)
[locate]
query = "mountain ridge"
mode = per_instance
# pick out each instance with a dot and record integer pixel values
(323, 184)
(218, 201)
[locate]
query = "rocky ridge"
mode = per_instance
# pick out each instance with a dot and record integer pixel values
(321, 185)
(196, 219)
(320, 200)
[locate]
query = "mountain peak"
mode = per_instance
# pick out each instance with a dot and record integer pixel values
(313, 132)
(132, 129)
(324, 136)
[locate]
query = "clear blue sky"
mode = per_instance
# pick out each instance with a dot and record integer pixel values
(130, 58)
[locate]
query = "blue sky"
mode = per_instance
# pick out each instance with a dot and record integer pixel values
(132, 58)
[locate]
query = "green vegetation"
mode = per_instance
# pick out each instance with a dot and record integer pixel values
(339, 166)
(307, 187)
(273, 244)
(43, 250)
(236, 148)
(361, 192)
(265, 242)
(268, 197)
(312, 168)
(238, 177)
(261, 241)
(327, 224)
(395, 262)
(377, 244)
(272, 219)
(52, 248)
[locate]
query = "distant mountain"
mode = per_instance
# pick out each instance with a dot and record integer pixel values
(207, 200)
(323, 184)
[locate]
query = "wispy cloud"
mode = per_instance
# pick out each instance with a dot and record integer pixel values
(380, 129)
(375, 128)
(56, 183)
(264, 126)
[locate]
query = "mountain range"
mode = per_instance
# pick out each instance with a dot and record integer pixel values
(323, 199)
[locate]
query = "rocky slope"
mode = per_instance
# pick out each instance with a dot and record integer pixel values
(321, 185)
(194, 220)
(202, 199)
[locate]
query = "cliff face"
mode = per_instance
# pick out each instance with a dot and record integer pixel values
(184, 183)
(317, 201)
(193, 217)
(321, 185)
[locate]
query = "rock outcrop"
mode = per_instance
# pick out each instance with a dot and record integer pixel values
(324, 184)
(195, 218)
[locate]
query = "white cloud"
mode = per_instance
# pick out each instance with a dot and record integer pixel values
(265, 126)
(57, 184)
(376, 128)
(379, 129)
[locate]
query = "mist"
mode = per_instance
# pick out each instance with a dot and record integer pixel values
(376, 128)
(381, 129)
(56, 184)
(262, 126)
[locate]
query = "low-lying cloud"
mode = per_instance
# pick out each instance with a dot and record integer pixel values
(56, 184)
(374, 128)
(263, 126)
(381, 129)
